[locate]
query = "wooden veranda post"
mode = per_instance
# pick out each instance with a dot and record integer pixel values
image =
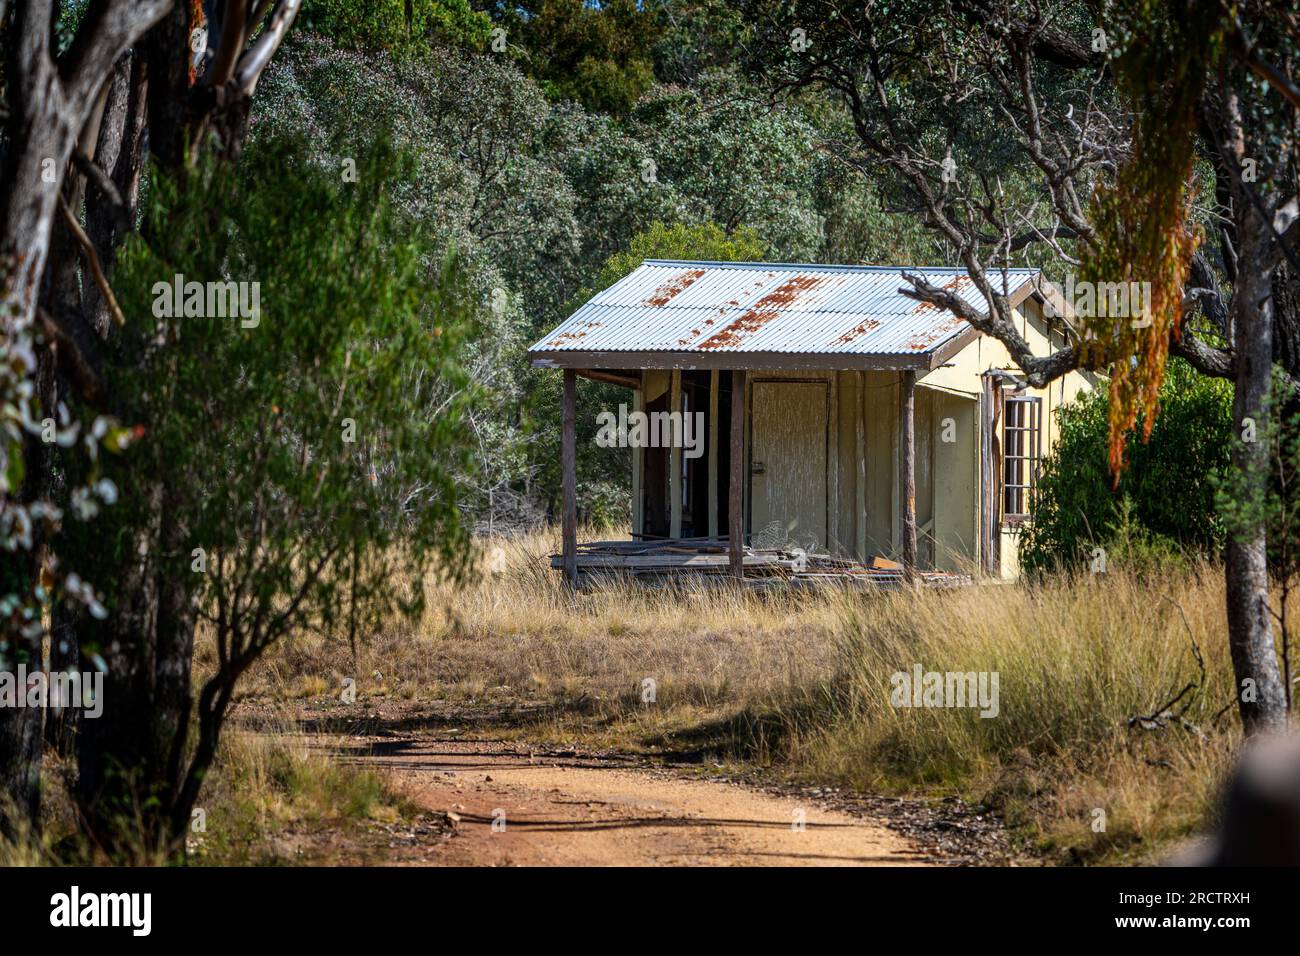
(990, 399)
(715, 382)
(569, 465)
(638, 465)
(907, 468)
(736, 489)
(675, 457)
(860, 482)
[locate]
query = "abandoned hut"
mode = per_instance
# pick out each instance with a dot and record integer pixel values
(837, 415)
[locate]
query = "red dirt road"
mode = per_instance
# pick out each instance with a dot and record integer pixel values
(515, 807)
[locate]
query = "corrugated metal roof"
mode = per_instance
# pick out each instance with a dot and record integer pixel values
(709, 307)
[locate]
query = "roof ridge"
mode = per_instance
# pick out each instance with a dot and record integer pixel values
(838, 266)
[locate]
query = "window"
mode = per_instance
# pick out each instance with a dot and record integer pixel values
(1021, 430)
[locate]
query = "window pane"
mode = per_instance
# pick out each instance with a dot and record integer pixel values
(1021, 443)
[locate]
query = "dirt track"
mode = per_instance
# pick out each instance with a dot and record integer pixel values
(570, 810)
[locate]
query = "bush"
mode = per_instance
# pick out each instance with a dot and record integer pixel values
(398, 27)
(306, 420)
(1165, 497)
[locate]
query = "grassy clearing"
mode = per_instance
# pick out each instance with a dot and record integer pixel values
(799, 684)
(520, 638)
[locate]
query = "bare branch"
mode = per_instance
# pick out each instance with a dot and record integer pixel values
(75, 349)
(104, 183)
(1204, 358)
(1249, 53)
(255, 60)
(92, 260)
(234, 33)
(1039, 370)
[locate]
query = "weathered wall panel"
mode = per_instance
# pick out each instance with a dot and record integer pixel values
(789, 480)
(955, 434)
(881, 404)
(849, 521)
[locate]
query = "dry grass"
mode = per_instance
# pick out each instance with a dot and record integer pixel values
(270, 799)
(273, 799)
(799, 683)
(1076, 659)
(520, 637)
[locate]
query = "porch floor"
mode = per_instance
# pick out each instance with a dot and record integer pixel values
(706, 560)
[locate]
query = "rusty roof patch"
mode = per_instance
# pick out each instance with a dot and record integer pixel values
(575, 335)
(922, 341)
(761, 312)
(673, 288)
(715, 307)
(859, 330)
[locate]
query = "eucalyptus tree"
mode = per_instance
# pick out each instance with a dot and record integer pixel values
(90, 92)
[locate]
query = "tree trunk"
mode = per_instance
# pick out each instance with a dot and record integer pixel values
(120, 152)
(22, 728)
(113, 786)
(1286, 319)
(130, 761)
(40, 137)
(61, 724)
(1260, 695)
(174, 654)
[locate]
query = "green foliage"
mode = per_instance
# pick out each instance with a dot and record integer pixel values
(397, 26)
(737, 160)
(1132, 546)
(600, 55)
(698, 35)
(484, 180)
(1169, 486)
(69, 17)
(857, 226)
(311, 456)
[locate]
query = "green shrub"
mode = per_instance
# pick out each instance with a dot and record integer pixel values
(1165, 499)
